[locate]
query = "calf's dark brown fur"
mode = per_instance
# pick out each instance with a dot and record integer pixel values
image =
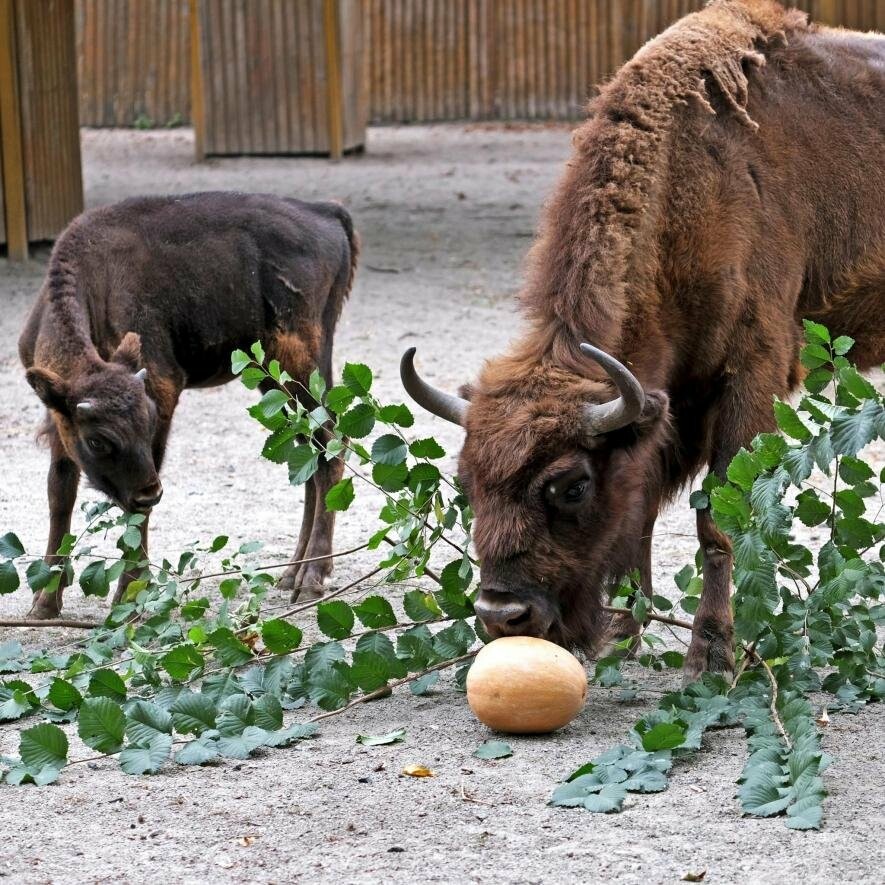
(729, 182)
(150, 296)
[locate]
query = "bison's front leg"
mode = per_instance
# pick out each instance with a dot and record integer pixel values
(62, 482)
(712, 638)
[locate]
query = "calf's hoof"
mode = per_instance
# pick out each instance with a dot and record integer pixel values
(44, 609)
(303, 584)
(708, 654)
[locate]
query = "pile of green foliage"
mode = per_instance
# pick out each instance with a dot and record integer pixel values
(178, 672)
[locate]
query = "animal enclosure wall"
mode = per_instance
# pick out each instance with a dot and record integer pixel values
(276, 77)
(424, 59)
(40, 181)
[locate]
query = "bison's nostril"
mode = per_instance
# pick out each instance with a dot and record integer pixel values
(502, 617)
(521, 618)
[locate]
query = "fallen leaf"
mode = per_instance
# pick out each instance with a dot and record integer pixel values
(246, 841)
(417, 771)
(824, 719)
(392, 737)
(493, 750)
(694, 877)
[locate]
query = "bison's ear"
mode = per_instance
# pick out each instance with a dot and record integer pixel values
(51, 389)
(465, 391)
(128, 353)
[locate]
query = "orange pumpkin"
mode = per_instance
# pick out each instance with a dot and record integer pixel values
(523, 685)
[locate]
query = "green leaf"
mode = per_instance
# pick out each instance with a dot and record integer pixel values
(389, 449)
(454, 641)
(252, 377)
(272, 402)
(303, 464)
(144, 721)
(258, 352)
(11, 546)
(813, 356)
(397, 414)
(790, 422)
(427, 448)
(64, 695)
(493, 750)
(810, 509)
(182, 662)
(663, 736)
(193, 713)
(392, 737)
(357, 378)
(101, 724)
(851, 431)
(358, 422)
(424, 683)
(743, 469)
(279, 636)
(854, 471)
(229, 650)
(391, 478)
(815, 332)
(235, 714)
(288, 736)
(268, 713)
(699, 500)
(146, 759)
(329, 688)
(335, 619)
(375, 612)
(417, 605)
(107, 684)
(239, 361)
(241, 746)
(9, 579)
(338, 399)
(340, 496)
(43, 745)
(842, 345)
(94, 579)
(38, 574)
(197, 752)
(218, 543)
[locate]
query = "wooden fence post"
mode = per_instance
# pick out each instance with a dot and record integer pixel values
(198, 108)
(11, 139)
(334, 94)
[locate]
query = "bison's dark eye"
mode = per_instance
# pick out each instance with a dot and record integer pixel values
(98, 446)
(575, 493)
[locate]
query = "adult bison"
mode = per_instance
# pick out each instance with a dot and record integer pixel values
(148, 297)
(730, 181)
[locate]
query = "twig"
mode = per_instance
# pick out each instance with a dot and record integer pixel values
(384, 690)
(748, 653)
(875, 673)
(61, 622)
(651, 616)
(773, 705)
(262, 568)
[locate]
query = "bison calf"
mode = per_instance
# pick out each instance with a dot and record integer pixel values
(150, 296)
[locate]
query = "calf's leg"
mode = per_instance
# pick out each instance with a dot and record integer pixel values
(62, 482)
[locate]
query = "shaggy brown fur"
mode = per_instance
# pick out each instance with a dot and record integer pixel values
(171, 286)
(730, 181)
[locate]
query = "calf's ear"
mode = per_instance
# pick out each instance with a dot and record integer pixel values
(128, 352)
(51, 389)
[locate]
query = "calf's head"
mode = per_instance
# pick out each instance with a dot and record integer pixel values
(561, 474)
(106, 422)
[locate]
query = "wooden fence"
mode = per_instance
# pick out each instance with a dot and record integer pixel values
(41, 187)
(425, 60)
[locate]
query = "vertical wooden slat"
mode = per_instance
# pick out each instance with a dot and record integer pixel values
(16, 227)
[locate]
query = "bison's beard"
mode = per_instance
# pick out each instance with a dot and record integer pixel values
(583, 623)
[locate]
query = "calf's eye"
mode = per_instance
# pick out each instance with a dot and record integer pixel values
(575, 492)
(98, 446)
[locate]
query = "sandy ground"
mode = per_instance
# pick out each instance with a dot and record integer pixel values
(446, 215)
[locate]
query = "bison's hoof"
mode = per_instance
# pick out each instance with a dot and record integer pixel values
(310, 592)
(714, 655)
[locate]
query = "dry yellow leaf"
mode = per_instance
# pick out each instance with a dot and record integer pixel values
(417, 771)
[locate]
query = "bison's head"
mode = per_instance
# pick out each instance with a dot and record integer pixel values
(106, 422)
(561, 472)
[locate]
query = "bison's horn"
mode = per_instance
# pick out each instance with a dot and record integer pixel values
(441, 404)
(141, 374)
(604, 417)
(85, 406)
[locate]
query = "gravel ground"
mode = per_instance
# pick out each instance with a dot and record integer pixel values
(446, 215)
